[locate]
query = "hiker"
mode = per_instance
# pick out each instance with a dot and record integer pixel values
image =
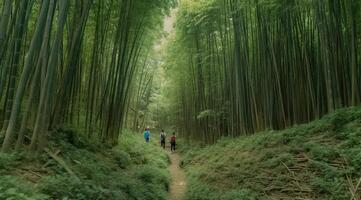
(162, 139)
(173, 142)
(147, 135)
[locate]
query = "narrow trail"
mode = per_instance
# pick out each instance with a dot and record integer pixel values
(178, 185)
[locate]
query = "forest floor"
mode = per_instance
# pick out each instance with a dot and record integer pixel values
(178, 185)
(132, 170)
(319, 160)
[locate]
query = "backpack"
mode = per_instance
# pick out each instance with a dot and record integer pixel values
(146, 135)
(162, 136)
(172, 139)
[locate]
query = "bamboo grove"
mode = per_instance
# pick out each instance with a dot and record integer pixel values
(71, 63)
(241, 66)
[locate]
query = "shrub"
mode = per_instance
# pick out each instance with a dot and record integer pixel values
(9, 161)
(11, 188)
(122, 158)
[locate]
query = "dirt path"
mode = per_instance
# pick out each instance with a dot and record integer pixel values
(178, 185)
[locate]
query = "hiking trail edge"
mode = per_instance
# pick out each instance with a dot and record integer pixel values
(178, 185)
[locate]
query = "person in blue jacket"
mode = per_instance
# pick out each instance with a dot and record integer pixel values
(147, 135)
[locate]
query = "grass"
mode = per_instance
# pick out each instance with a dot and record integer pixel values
(319, 160)
(131, 170)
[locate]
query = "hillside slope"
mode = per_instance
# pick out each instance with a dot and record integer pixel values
(319, 160)
(131, 170)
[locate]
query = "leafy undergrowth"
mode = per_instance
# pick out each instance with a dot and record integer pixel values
(319, 160)
(131, 170)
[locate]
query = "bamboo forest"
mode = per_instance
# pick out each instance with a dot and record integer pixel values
(180, 99)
